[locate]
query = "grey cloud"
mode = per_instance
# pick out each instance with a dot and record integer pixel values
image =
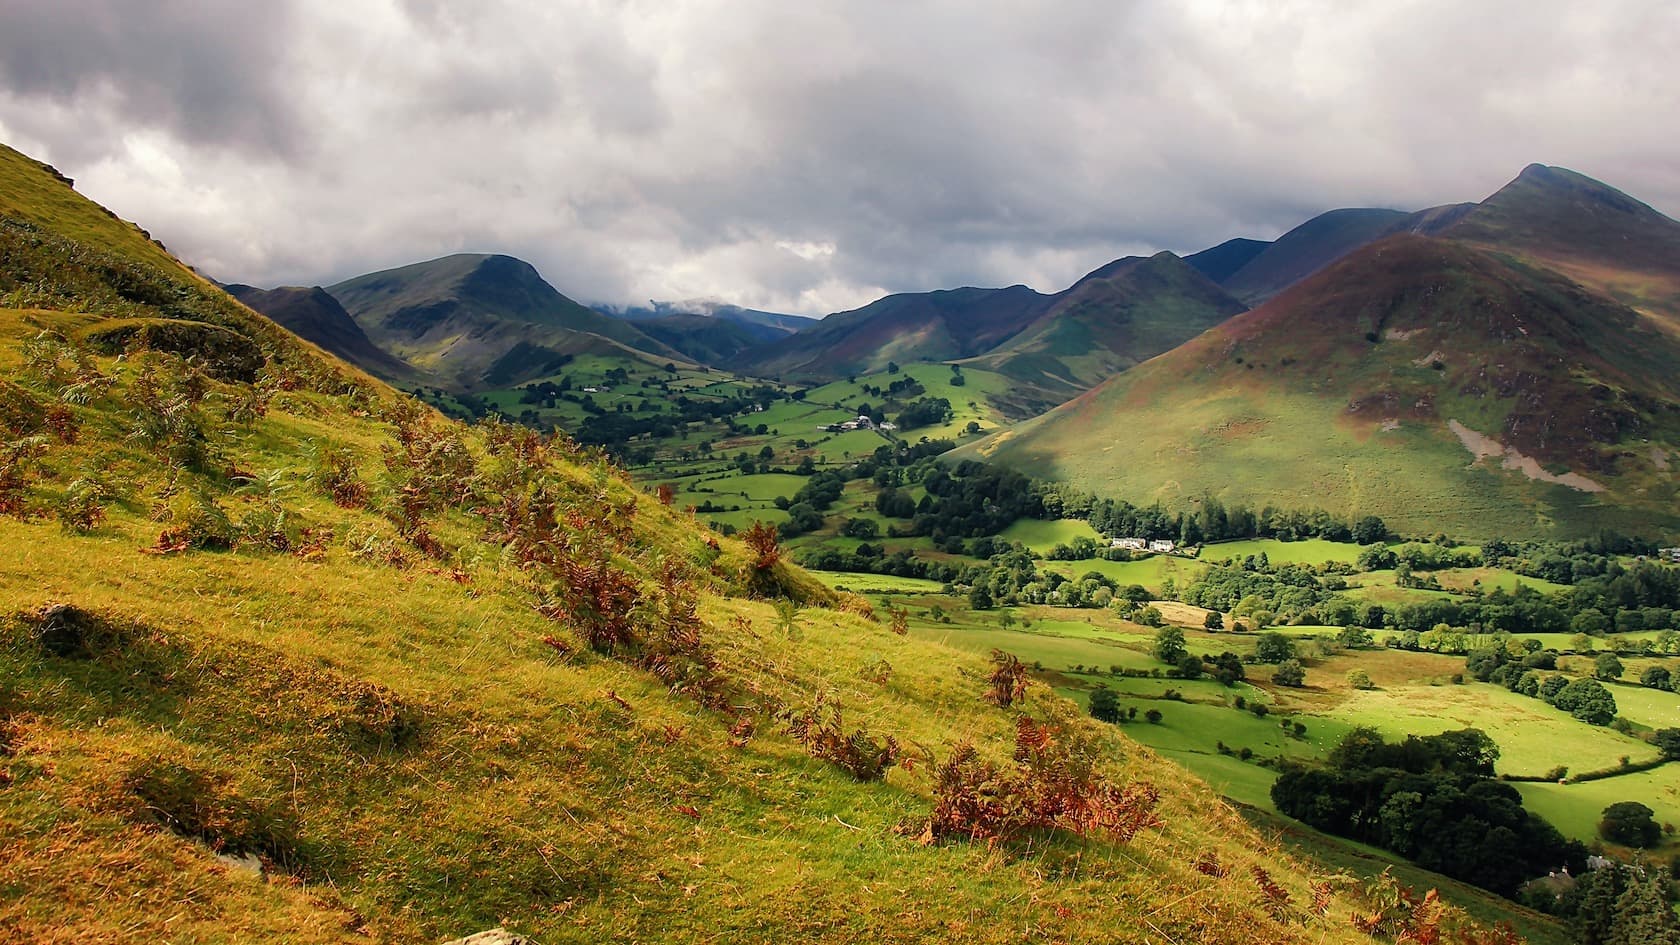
(212, 73)
(807, 156)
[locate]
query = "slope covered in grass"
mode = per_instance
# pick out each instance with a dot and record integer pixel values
(1423, 380)
(284, 656)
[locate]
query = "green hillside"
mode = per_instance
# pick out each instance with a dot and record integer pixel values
(1124, 313)
(480, 321)
(1051, 345)
(286, 656)
(1435, 385)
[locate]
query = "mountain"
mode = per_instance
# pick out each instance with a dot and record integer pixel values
(466, 316)
(712, 333)
(1308, 248)
(1119, 315)
(1220, 262)
(289, 657)
(770, 324)
(1440, 382)
(1116, 316)
(314, 315)
(1587, 230)
(946, 324)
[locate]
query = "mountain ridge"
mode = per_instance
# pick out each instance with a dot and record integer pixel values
(1451, 350)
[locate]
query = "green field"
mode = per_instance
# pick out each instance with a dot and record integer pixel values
(1041, 536)
(1152, 572)
(1575, 808)
(876, 583)
(1532, 736)
(1314, 551)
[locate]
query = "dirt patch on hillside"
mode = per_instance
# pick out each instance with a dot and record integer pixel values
(1486, 447)
(1400, 334)
(1429, 359)
(1237, 429)
(1659, 458)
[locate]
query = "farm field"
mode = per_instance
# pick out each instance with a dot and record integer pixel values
(1574, 808)
(1314, 551)
(1041, 536)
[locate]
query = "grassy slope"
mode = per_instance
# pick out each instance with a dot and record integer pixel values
(416, 762)
(1291, 405)
(1125, 312)
(458, 317)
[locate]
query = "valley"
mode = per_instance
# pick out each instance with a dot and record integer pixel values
(1424, 486)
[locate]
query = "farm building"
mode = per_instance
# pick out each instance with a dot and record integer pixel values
(1162, 546)
(1130, 544)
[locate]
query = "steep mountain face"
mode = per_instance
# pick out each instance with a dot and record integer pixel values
(1590, 231)
(770, 325)
(1220, 262)
(1128, 311)
(314, 315)
(711, 333)
(707, 339)
(1056, 345)
(379, 677)
(947, 324)
(1422, 379)
(460, 315)
(1309, 248)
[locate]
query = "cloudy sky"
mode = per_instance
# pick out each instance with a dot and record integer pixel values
(809, 156)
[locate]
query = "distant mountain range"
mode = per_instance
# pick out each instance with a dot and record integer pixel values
(1512, 364)
(1118, 315)
(1512, 361)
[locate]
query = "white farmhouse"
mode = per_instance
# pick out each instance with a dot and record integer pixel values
(1130, 544)
(1162, 546)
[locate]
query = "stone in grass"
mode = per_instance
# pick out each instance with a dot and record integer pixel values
(492, 937)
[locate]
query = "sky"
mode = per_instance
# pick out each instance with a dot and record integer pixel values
(812, 156)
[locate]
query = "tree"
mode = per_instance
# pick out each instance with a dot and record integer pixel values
(1105, 705)
(1667, 741)
(1657, 677)
(1552, 686)
(1153, 716)
(1290, 673)
(1591, 620)
(1587, 700)
(1369, 530)
(1190, 667)
(1273, 647)
(1643, 915)
(1214, 620)
(1359, 679)
(1354, 638)
(1169, 645)
(1630, 824)
(1607, 667)
(979, 598)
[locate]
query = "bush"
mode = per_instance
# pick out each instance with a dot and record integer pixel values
(1153, 716)
(1290, 673)
(1359, 679)
(1008, 682)
(1055, 785)
(822, 731)
(1587, 700)
(1105, 705)
(1657, 677)
(1273, 648)
(1631, 824)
